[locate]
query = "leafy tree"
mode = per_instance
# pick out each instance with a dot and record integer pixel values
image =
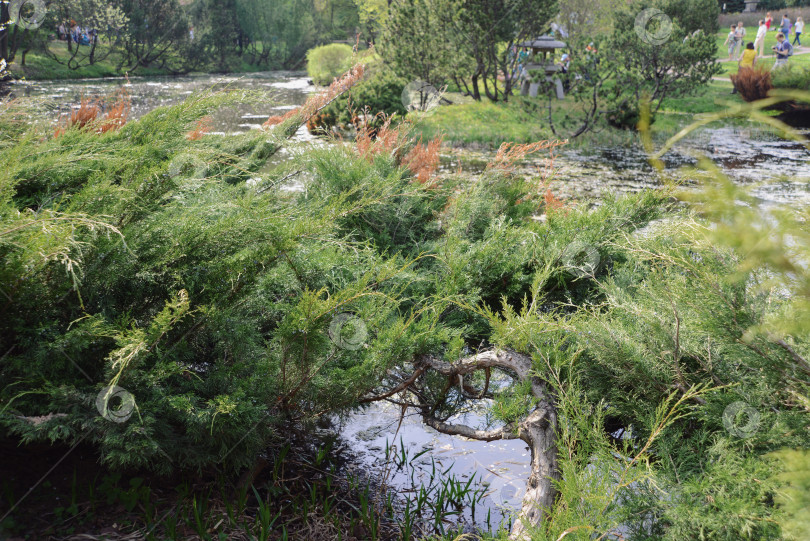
(491, 28)
(335, 19)
(468, 43)
(16, 37)
(584, 19)
(672, 56)
(646, 66)
(419, 44)
(276, 37)
(156, 30)
(219, 36)
(373, 15)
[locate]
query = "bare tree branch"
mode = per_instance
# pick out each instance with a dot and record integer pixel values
(507, 432)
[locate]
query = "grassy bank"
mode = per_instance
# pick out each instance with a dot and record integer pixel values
(486, 124)
(39, 66)
(523, 120)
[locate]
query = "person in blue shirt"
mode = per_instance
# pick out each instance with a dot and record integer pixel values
(783, 50)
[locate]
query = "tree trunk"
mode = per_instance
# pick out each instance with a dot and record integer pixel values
(4, 18)
(475, 90)
(538, 430)
(93, 49)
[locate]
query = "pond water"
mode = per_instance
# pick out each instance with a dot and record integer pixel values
(746, 154)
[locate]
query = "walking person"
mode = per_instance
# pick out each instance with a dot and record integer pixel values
(783, 50)
(759, 41)
(747, 61)
(785, 25)
(798, 29)
(732, 45)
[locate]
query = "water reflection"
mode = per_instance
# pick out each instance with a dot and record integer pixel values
(284, 90)
(748, 154)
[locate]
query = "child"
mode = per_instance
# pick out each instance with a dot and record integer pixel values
(565, 62)
(798, 29)
(732, 45)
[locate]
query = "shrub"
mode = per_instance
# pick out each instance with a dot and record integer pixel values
(326, 62)
(381, 92)
(209, 300)
(186, 288)
(752, 83)
(791, 76)
(625, 115)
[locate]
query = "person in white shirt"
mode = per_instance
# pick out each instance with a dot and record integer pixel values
(759, 41)
(798, 28)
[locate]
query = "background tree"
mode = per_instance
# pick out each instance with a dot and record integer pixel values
(18, 37)
(466, 43)
(218, 35)
(582, 20)
(420, 42)
(335, 19)
(611, 81)
(277, 37)
(491, 28)
(684, 62)
(372, 15)
(4, 20)
(157, 29)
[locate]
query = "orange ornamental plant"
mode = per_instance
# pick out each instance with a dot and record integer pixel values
(101, 116)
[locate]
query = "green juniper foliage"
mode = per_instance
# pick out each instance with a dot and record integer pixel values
(174, 270)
